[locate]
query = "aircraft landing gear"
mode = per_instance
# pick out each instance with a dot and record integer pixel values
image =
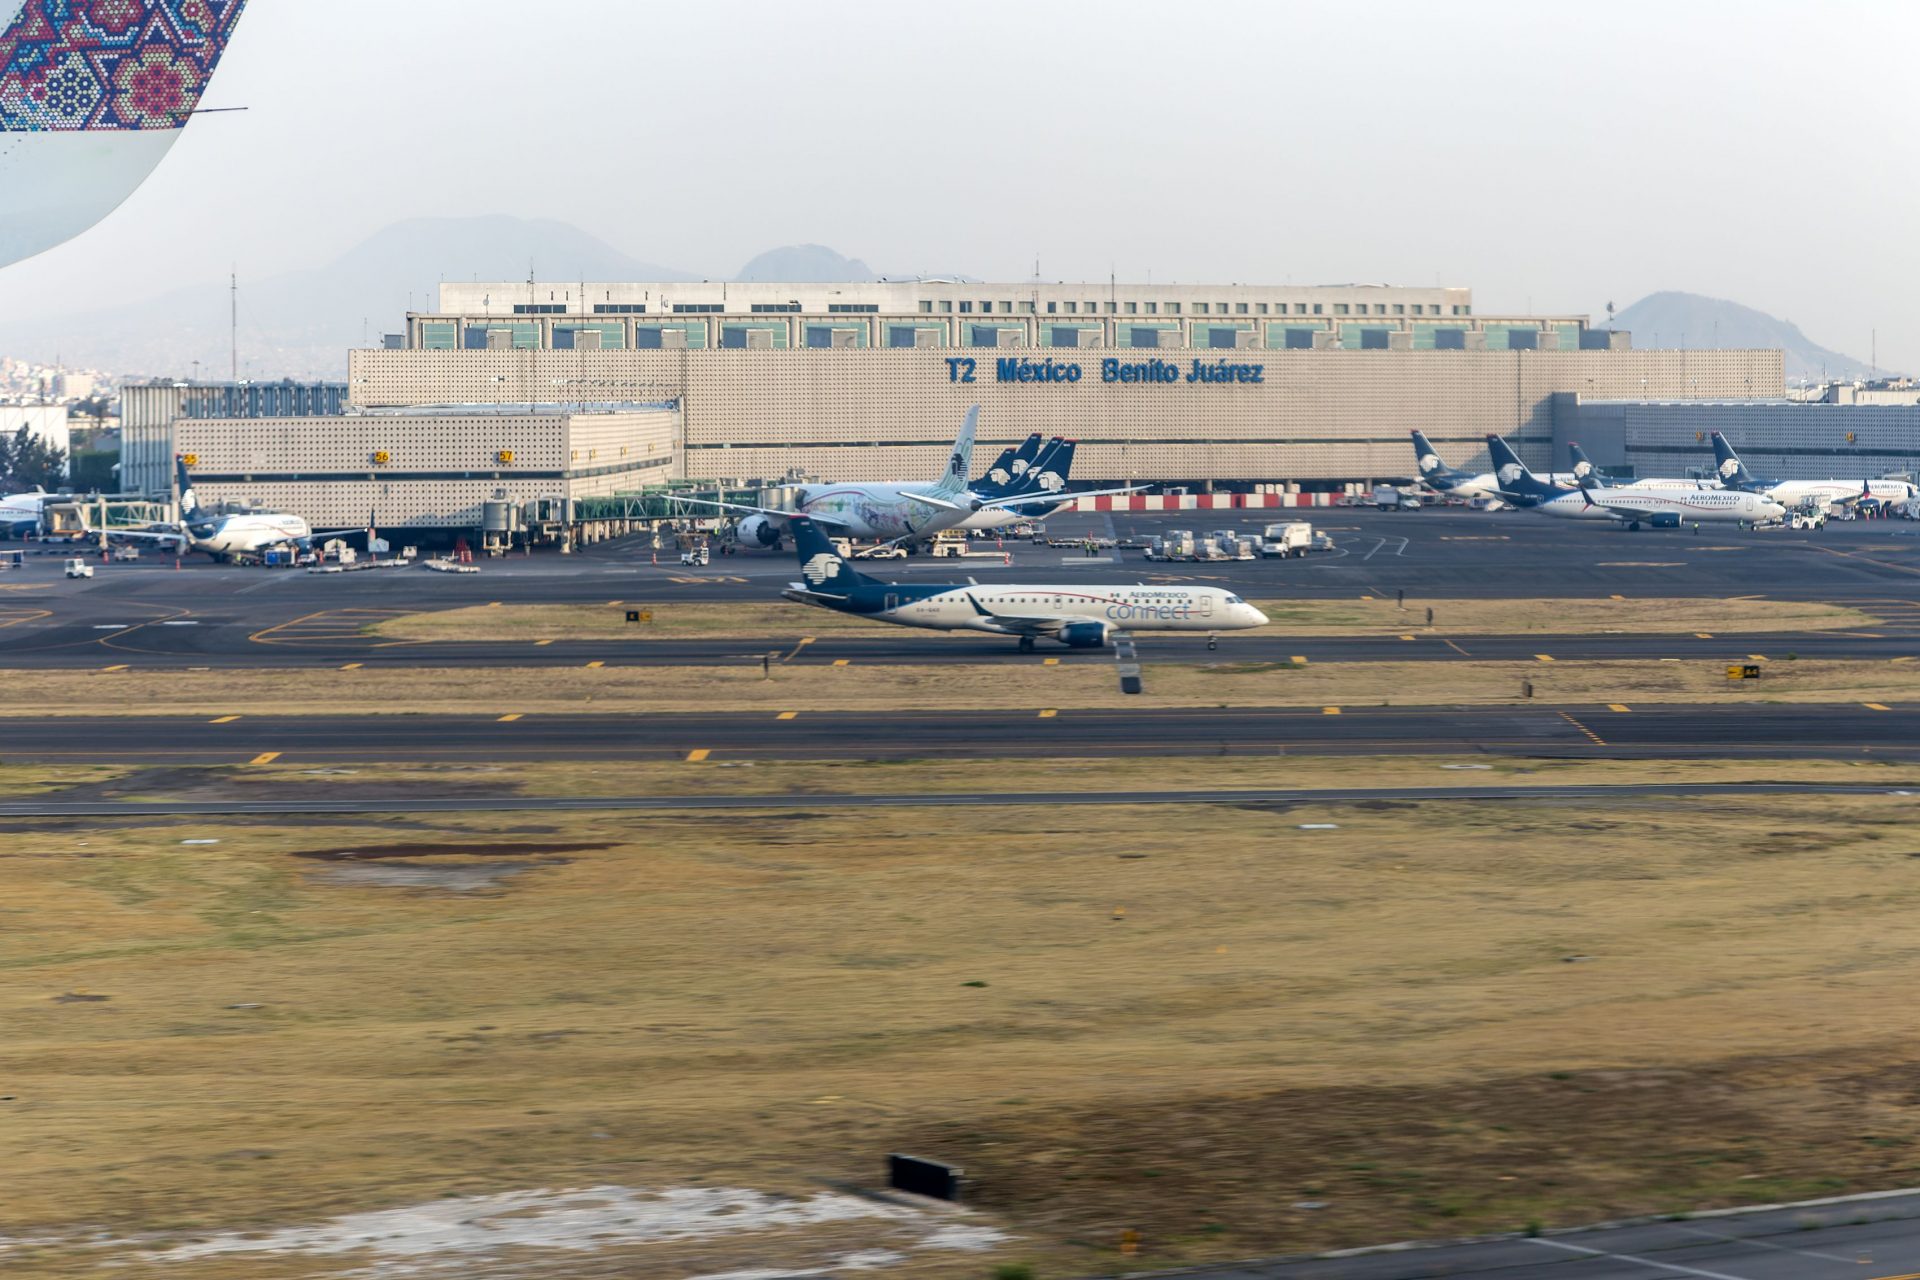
(1213, 640)
(1026, 644)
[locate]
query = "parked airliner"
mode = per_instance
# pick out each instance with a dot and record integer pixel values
(1655, 507)
(1080, 616)
(241, 533)
(1792, 493)
(1442, 478)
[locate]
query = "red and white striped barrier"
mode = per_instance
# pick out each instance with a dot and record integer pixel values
(1201, 501)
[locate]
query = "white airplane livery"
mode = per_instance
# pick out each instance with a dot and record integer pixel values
(1657, 508)
(1080, 616)
(1792, 493)
(240, 533)
(895, 512)
(20, 513)
(93, 93)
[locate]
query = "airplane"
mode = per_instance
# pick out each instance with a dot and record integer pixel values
(1793, 493)
(91, 98)
(1655, 508)
(1011, 464)
(891, 512)
(1589, 476)
(21, 513)
(1443, 479)
(1044, 482)
(241, 533)
(1083, 616)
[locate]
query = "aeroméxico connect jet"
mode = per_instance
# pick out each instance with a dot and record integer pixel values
(91, 97)
(1656, 507)
(1734, 474)
(1080, 616)
(892, 512)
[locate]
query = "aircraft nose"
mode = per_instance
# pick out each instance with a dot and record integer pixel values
(1259, 618)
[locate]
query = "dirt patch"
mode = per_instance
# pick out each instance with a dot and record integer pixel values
(431, 849)
(464, 877)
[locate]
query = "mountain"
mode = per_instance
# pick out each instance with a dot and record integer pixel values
(806, 264)
(300, 324)
(1715, 323)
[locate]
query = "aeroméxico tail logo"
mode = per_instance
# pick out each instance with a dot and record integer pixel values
(1510, 474)
(1429, 463)
(821, 567)
(1730, 468)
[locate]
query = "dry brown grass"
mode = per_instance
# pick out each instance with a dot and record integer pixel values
(1441, 1019)
(1357, 616)
(1011, 684)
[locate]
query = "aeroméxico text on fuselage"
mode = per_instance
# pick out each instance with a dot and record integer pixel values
(891, 512)
(1080, 615)
(1657, 508)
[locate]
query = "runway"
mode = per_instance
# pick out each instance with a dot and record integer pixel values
(1873, 1237)
(1852, 730)
(388, 801)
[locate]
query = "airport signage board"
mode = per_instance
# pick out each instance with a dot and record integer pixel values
(1148, 373)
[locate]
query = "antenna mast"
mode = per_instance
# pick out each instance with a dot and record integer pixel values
(233, 323)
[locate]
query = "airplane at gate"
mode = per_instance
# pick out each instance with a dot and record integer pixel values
(92, 96)
(1791, 493)
(1655, 507)
(1080, 616)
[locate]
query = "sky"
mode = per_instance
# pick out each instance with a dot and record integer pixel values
(1551, 156)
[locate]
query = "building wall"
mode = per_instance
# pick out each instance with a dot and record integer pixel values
(46, 423)
(438, 468)
(1776, 439)
(891, 414)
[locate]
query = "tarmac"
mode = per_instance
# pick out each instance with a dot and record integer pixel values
(1874, 1237)
(148, 613)
(1858, 730)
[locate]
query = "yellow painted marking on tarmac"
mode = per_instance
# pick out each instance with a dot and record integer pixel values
(353, 666)
(842, 662)
(1907, 1275)
(1876, 706)
(223, 720)
(541, 643)
(1616, 597)
(615, 604)
(1703, 635)
(786, 715)
(804, 642)
(1756, 657)
(265, 757)
(1299, 661)
(1543, 657)
(1908, 658)
(592, 665)
(1746, 597)
(1618, 706)
(1049, 662)
(1406, 637)
(1598, 741)
(118, 666)
(510, 717)
(1048, 714)
(698, 754)
(1366, 597)
(1329, 711)
(493, 604)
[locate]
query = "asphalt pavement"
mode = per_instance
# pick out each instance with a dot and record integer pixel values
(1855, 1238)
(1845, 730)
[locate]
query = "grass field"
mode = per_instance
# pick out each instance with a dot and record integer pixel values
(1357, 616)
(1433, 1019)
(1016, 682)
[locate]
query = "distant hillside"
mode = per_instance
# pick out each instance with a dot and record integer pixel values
(806, 264)
(1717, 324)
(300, 324)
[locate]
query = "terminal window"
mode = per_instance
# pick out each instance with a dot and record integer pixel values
(763, 307)
(1262, 306)
(851, 308)
(1339, 308)
(539, 309)
(1240, 308)
(966, 308)
(697, 308)
(1173, 308)
(1153, 308)
(620, 308)
(1052, 307)
(1133, 308)
(926, 306)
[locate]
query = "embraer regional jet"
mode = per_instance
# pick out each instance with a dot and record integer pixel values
(1082, 616)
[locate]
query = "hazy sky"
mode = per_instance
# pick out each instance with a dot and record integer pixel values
(1552, 156)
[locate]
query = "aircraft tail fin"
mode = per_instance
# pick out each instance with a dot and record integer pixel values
(1514, 477)
(1733, 473)
(1431, 468)
(960, 464)
(1008, 468)
(1584, 472)
(188, 503)
(1050, 471)
(826, 571)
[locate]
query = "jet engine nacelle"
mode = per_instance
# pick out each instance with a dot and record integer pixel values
(1664, 520)
(1084, 635)
(759, 531)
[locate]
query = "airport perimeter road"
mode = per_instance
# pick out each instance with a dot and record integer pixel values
(1858, 1238)
(1751, 730)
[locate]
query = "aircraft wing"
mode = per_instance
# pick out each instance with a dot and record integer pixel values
(831, 521)
(144, 534)
(1025, 499)
(1021, 624)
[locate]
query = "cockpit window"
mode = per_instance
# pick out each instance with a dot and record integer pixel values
(1235, 600)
